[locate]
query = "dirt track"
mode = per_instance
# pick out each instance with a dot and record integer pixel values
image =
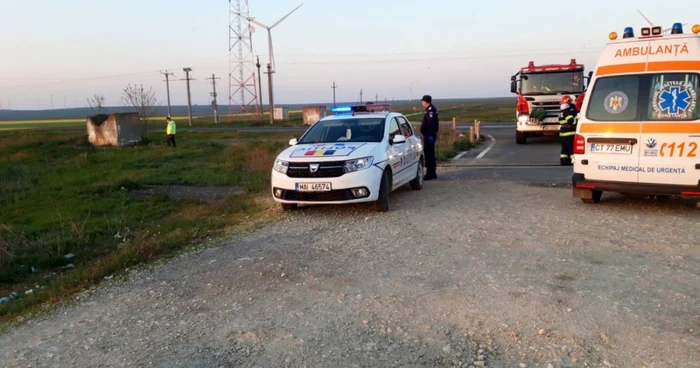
(527, 274)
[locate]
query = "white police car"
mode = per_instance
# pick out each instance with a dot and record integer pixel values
(360, 154)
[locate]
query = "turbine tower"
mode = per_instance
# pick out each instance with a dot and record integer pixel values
(243, 92)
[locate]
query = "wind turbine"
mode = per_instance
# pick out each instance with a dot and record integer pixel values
(269, 33)
(271, 65)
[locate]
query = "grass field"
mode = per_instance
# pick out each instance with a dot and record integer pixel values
(73, 214)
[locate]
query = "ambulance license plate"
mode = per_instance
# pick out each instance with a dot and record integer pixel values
(620, 149)
(313, 187)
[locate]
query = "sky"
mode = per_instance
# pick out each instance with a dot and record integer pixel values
(56, 53)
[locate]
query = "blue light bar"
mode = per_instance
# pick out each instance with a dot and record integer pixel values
(677, 28)
(341, 109)
(629, 32)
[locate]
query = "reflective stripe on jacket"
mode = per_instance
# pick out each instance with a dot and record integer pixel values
(568, 121)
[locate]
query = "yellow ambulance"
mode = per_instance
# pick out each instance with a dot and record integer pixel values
(639, 127)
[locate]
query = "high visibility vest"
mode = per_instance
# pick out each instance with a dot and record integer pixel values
(172, 129)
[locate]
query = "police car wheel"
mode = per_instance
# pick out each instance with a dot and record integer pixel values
(382, 203)
(520, 137)
(289, 206)
(417, 183)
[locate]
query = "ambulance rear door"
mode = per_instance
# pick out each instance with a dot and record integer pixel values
(671, 129)
(612, 122)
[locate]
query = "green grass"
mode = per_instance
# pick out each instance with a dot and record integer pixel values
(60, 195)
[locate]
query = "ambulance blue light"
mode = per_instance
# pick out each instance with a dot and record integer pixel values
(341, 109)
(677, 28)
(629, 32)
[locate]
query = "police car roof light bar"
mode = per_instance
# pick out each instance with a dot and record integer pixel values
(628, 33)
(342, 109)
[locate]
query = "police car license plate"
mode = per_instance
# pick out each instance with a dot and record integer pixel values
(313, 187)
(620, 149)
(551, 127)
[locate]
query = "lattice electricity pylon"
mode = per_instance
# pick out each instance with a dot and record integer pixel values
(243, 91)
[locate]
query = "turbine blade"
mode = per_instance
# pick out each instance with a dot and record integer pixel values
(285, 17)
(252, 20)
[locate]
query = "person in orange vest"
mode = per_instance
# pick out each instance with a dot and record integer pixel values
(568, 120)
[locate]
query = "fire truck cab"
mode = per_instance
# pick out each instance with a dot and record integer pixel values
(539, 89)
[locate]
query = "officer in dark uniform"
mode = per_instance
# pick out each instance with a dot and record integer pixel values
(429, 129)
(567, 131)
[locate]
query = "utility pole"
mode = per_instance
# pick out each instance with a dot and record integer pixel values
(260, 87)
(167, 75)
(51, 102)
(361, 93)
(334, 86)
(214, 105)
(189, 97)
(376, 98)
(269, 86)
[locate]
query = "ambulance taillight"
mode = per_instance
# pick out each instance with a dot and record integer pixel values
(579, 145)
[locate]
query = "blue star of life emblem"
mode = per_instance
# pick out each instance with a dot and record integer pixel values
(674, 99)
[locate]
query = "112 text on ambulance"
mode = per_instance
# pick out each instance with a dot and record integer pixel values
(684, 149)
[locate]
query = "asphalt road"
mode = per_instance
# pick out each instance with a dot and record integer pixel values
(501, 150)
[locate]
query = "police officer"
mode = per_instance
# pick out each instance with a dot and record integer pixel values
(429, 129)
(567, 131)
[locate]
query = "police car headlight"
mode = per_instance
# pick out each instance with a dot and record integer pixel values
(522, 119)
(358, 164)
(281, 166)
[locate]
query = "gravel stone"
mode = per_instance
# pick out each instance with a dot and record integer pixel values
(486, 250)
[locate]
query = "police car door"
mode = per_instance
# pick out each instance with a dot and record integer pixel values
(413, 150)
(671, 133)
(397, 153)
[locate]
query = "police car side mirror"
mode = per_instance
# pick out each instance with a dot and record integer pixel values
(293, 141)
(399, 139)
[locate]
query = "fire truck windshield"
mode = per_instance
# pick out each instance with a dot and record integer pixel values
(551, 83)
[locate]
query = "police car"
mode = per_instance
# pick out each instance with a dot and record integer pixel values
(360, 154)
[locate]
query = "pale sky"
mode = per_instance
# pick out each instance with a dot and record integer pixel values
(450, 49)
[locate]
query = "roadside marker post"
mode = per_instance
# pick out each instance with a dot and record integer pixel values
(454, 124)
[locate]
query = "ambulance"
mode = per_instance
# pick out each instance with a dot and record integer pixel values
(639, 127)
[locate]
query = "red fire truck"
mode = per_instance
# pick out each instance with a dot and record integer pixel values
(539, 89)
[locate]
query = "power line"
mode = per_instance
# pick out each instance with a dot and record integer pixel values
(83, 79)
(433, 58)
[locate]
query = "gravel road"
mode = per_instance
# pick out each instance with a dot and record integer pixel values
(475, 270)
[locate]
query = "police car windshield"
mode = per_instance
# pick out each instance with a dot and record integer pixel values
(345, 130)
(551, 83)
